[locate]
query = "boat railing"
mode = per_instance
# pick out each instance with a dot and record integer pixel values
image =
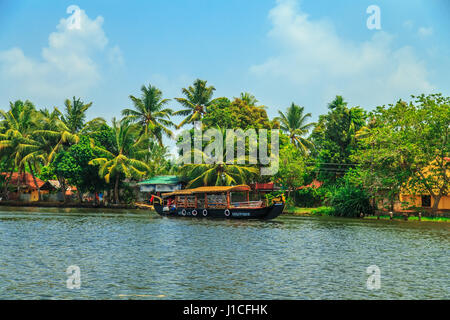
(247, 204)
(218, 205)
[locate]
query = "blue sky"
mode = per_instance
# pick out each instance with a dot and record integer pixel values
(280, 51)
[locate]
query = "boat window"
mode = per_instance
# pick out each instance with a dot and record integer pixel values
(217, 200)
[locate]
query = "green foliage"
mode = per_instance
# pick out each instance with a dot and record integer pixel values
(335, 139)
(150, 112)
(349, 201)
(123, 159)
(323, 211)
(294, 124)
(236, 114)
(310, 197)
(197, 98)
(271, 195)
(47, 173)
(405, 148)
(291, 169)
(128, 194)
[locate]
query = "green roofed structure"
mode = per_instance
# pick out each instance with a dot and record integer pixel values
(161, 184)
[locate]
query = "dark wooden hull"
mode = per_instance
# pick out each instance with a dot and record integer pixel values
(267, 213)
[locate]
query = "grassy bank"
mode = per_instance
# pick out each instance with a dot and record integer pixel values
(411, 218)
(319, 211)
(327, 211)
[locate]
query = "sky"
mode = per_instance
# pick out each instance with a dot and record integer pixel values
(283, 51)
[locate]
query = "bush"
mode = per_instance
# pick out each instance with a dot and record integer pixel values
(349, 201)
(310, 197)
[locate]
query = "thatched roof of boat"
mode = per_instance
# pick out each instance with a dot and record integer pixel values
(212, 189)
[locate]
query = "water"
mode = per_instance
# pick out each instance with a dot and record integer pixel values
(139, 255)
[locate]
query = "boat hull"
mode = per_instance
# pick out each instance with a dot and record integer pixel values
(267, 213)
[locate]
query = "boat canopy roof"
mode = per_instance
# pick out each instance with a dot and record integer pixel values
(213, 189)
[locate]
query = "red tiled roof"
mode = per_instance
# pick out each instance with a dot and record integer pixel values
(26, 179)
(263, 186)
(315, 184)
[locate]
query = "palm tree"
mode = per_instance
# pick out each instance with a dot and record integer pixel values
(295, 124)
(249, 99)
(214, 172)
(150, 113)
(198, 98)
(122, 159)
(67, 127)
(159, 160)
(217, 174)
(17, 127)
(337, 102)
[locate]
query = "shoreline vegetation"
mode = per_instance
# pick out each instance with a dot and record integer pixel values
(381, 215)
(395, 157)
(289, 210)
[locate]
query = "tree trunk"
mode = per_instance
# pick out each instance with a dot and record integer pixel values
(7, 183)
(35, 182)
(62, 186)
(18, 184)
(436, 199)
(116, 190)
(80, 197)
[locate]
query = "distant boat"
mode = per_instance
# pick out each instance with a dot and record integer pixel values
(216, 202)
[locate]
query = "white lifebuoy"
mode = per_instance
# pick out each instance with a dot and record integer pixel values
(194, 212)
(205, 212)
(227, 213)
(183, 212)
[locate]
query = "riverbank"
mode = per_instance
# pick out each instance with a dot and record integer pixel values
(326, 211)
(289, 210)
(66, 205)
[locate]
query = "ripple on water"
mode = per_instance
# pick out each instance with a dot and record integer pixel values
(134, 255)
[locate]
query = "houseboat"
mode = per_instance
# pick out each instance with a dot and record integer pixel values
(226, 202)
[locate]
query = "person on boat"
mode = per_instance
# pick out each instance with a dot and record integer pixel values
(171, 204)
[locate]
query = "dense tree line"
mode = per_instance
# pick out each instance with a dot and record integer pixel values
(357, 154)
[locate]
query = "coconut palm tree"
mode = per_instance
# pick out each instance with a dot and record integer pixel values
(150, 113)
(217, 174)
(249, 99)
(123, 159)
(337, 103)
(197, 98)
(294, 123)
(213, 172)
(67, 127)
(17, 127)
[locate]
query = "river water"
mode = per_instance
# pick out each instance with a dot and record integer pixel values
(139, 255)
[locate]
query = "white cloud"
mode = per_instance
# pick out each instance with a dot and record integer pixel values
(315, 59)
(425, 32)
(69, 65)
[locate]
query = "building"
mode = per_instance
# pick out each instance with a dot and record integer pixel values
(27, 185)
(314, 185)
(52, 191)
(410, 198)
(159, 184)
